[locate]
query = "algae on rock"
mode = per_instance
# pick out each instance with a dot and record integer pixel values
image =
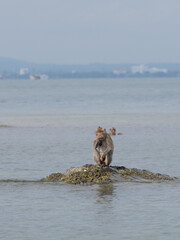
(85, 174)
(90, 173)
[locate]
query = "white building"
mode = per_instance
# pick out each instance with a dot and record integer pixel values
(139, 69)
(158, 70)
(119, 71)
(44, 77)
(144, 69)
(23, 71)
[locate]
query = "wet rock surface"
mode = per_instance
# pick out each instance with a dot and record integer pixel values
(90, 173)
(3, 126)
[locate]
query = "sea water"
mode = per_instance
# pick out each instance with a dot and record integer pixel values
(48, 126)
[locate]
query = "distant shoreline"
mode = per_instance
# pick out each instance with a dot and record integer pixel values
(19, 69)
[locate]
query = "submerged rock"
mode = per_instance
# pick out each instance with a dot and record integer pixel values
(90, 173)
(3, 126)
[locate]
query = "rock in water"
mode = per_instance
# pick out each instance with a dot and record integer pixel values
(90, 173)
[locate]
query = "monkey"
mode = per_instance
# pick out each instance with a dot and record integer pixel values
(112, 131)
(103, 147)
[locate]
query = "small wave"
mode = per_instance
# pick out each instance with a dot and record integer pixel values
(18, 181)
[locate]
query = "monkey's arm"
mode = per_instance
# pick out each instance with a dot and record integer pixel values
(95, 144)
(110, 146)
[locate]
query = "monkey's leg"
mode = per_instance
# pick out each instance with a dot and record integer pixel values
(108, 159)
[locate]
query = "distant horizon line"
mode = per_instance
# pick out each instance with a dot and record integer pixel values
(90, 63)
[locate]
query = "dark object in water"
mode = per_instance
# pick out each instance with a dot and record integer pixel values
(3, 126)
(112, 131)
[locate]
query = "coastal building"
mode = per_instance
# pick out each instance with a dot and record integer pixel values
(44, 77)
(23, 71)
(141, 69)
(158, 70)
(119, 71)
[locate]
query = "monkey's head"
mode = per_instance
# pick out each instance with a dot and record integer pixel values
(100, 132)
(112, 131)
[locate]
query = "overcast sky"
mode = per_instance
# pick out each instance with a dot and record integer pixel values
(89, 31)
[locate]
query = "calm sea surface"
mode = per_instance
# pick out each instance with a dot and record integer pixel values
(48, 126)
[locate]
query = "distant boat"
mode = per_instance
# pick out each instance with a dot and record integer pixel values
(38, 77)
(34, 77)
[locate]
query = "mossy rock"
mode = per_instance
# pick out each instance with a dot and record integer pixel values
(54, 177)
(144, 174)
(84, 174)
(90, 173)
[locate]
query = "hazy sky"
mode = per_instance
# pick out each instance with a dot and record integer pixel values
(89, 31)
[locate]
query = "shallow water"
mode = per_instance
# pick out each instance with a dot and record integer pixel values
(118, 211)
(90, 96)
(51, 127)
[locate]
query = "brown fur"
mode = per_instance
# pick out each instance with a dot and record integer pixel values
(103, 147)
(112, 131)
